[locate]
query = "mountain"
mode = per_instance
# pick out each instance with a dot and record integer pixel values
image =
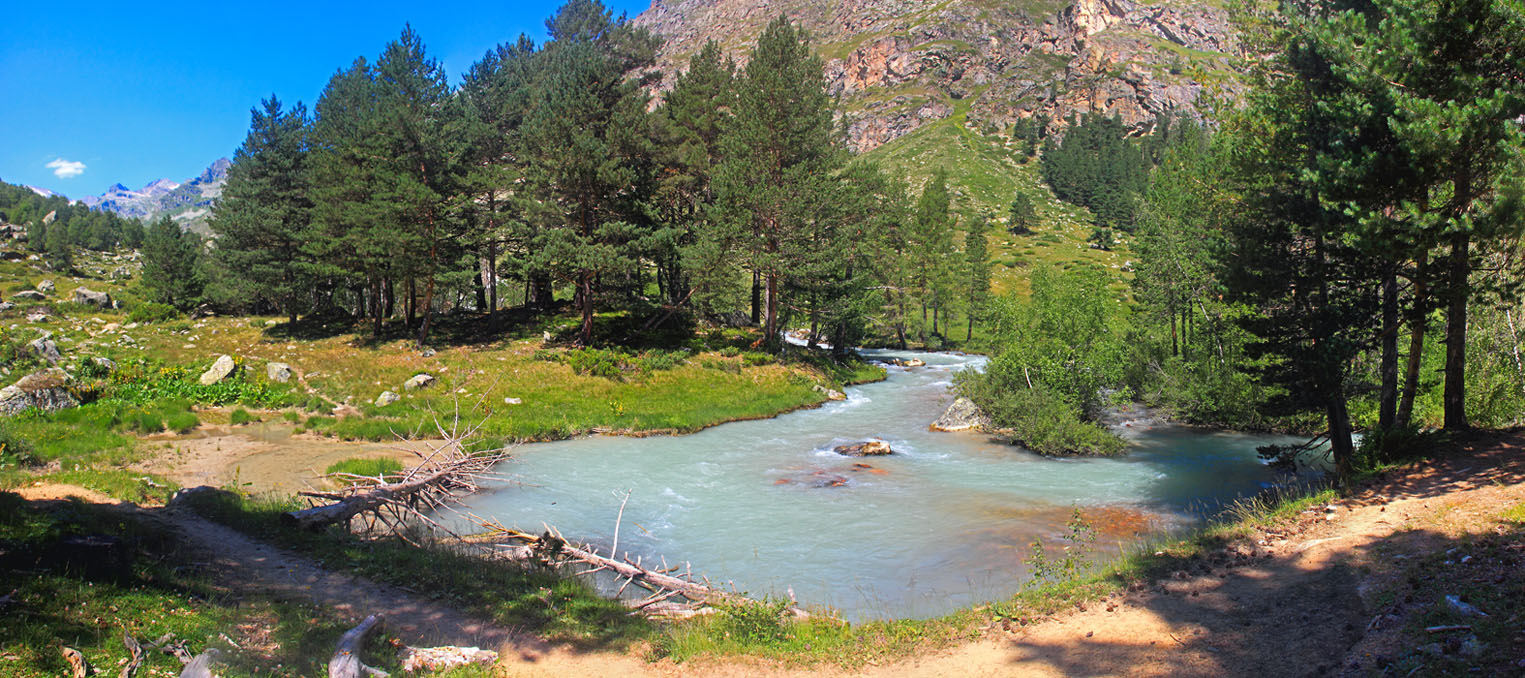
(927, 84)
(900, 65)
(189, 203)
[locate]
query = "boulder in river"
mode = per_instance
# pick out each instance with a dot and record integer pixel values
(962, 415)
(869, 448)
(219, 370)
(279, 373)
(418, 381)
(47, 390)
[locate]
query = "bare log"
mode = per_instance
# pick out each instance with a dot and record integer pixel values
(79, 667)
(346, 660)
(135, 651)
(201, 665)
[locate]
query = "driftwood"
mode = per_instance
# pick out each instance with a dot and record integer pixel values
(78, 666)
(346, 660)
(135, 650)
(675, 592)
(201, 665)
(443, 473)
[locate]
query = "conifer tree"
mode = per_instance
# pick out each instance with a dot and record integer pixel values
(977, 272)
(1022, 217)
(933, 250)
(263, 217)
(589, 132)
(780, 146)
(171, 274)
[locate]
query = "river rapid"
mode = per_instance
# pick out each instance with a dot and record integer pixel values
(943, 523)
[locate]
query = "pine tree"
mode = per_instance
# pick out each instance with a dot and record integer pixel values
(58, 248)
(264, 215)
(780, 146)
(589, 135)
(171, 274)
(932, 252)
(1022, 216)
(977, 271)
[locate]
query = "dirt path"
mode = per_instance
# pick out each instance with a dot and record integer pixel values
(260, 458)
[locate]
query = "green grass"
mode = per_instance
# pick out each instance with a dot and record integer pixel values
(241, 416)
(368, 467)
(163, 590)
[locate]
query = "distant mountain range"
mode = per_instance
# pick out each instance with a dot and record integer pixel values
(189, 203)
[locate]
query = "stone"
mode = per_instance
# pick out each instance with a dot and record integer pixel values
(29, 295)
(219, 370)
(419, 659)
(37, 317)
(831, 394)
(962, 415)
(46, 287)
(387, 398)
(423, 380)
(428, 353)
(111, 327)
(6, 306)
(513, 401)
(92, 298)
(104, 362)
(46, 349)
(47, 390)
(870, 448)
(279, 373)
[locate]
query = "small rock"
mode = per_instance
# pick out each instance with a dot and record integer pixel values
(46, 349)
(513, 401)
(871, 448)
(962, 415)
(418, 381)
(279, 373)
(428, 353)
(37, 317)
(46, 287)
(29, 295)
(219, 370)
(387, 398)
(6, 306)
(1465, 608)
(417, 659)
(104, 362)
(829, 393)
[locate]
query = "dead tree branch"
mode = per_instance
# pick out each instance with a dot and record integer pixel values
(346, 660)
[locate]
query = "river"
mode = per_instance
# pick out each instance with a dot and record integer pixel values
(943, 523)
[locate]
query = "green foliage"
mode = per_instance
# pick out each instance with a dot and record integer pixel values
(1021, 216)
(241, 416)
(1079, 543)
(171, 265)
(1099, 167)
(151, 312)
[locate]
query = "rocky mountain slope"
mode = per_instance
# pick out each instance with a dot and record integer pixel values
(900, 65)
(189, 203)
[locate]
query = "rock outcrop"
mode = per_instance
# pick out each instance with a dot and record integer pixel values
(418, 381)
(387, 398)
(29, 295)
(901, 64)
(92, 298)
(279, 373)
(47, 390)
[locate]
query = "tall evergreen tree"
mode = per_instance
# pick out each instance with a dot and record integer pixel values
(263, 217)
(976, 272)
(171, 274)
(1022, 217)
(933, 252)
(780, 146)
(589, 132)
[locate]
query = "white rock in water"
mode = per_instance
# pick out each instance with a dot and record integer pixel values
(219, 371)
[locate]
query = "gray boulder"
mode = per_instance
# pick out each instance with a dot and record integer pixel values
(46, 349)
(962, 415)
(29, 295)
(387, 398)
(46, 287)
(93, 298)
(6, 306)
(831, 394)
(47, 390)
(418, 381)
(278, 372)
(219, 371)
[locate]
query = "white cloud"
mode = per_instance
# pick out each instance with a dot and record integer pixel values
(66, 169)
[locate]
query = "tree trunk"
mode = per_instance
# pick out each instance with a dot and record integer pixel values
(346, 660)
(391, 298)
(479, 286)
(1418, 325)
(585, 300)
(412, 305)
(1339, 435)
(1456, 334)
(756, 298)
(770, 328)
(492, 283)
(1387, 400)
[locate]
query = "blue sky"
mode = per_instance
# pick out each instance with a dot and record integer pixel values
(97, 94)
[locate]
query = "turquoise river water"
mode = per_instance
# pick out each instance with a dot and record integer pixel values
(943, 523)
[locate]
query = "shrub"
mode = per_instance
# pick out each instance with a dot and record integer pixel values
(146, 422)
(754, 359)
(656, 361)
(759, 623)
(596, 362)
(182, 422)
(152, 312)
(242, 416)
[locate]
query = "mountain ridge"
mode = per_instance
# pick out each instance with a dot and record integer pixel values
(188, 202)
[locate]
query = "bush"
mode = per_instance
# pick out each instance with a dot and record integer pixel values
(242, 416)
(754, 623)
(152, 312)
(182, 422)
(753, 359)
(595, 362)
(146, 422)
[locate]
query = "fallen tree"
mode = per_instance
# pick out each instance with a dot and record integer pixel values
(444, 473)
(346, 660)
